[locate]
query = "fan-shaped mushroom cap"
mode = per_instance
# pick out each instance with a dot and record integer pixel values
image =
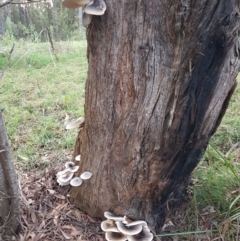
(85, 175)
(78, 158)
(63, 183)
(133, 223)
(126, 220)
(109, 226)
(76, 123)
(76, 181)
(64, 179)
(75, 3)
(109, 215)
(113, 236)
(62, 172)
(129, 230)
(96, 7)
(86, 19)
(71, 166)
(74, 169)
(144, 235)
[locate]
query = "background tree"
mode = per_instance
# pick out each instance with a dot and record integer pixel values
(29, 19)
(9, 190)
(160, 77)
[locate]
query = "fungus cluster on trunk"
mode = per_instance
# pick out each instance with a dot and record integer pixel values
(122, 229)
(65, 177)
(95, 7)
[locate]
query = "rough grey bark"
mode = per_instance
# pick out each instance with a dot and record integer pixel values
(9, 189)
(160, 77)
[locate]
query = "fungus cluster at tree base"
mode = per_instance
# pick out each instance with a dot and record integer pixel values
(65, 177)
(94, 7)
(122, 229)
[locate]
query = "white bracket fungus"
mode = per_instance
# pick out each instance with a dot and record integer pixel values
(75, 124)
(110, 216)
(122, 228)
(144, 235)
(78, 158)
(65, 178)
(133, 223)
(132, 230)
(85, 175)
(109, 226)
(76, 181)
(61, 173)
(113, 236)
(96, 7)
(70, 166)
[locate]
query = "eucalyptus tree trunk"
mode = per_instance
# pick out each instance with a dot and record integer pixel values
(9, 190)
(160, 77)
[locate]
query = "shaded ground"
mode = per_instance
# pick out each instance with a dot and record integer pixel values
(46, 213)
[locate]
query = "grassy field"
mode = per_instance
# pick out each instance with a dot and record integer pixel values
(42, 86)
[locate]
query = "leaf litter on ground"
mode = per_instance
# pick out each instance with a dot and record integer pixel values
(46, 213)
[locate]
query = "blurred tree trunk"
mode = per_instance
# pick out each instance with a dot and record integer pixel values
(9, 191)
(160, 77)
(2, 29)
(21, 11)
(55, 21)
(27, 16)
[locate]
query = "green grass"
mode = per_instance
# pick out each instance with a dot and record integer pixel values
(229, 131)
(217, 178)
(40, 87)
